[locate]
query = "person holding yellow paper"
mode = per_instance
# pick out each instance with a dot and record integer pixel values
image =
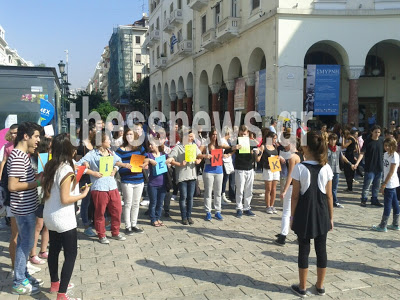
(132, 183)
(104, 190)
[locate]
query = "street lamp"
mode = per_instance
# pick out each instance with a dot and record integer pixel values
(64, 95)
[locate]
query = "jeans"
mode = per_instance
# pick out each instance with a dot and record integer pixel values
(212, 183)
(390, 200)
(26, 237)
(244, 180)
(156, 195)
(68, 241)
(132, 194)
(373, 178)
(186, 190)
(231, 178)
(85, 210)
(335, 183)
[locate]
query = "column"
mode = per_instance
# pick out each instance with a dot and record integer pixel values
(230, 85)
(189, 105)
(159, 104)
(215, 102)
(172, 96)
(354, 74)
(180, 94)
(250, 83)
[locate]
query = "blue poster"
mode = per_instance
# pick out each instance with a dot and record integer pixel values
(43, 158)
(326, 90)
(46, 111)
(161, 166)
(262, 77)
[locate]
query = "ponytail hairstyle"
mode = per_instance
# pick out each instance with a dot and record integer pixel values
(62, 153)
(317, 146)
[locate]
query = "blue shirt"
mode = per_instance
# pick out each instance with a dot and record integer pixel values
(126, 175)
(103, 184)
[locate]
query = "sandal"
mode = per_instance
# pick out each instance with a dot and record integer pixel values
(155, 224)
(160, 223)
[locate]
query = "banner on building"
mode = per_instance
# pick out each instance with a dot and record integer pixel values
(240, 92)
(261, 77)
(322, 89)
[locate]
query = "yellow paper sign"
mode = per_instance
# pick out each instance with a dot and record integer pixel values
(106, 165)
(190, 152)
(244, 141)
(274, 164)
(136, 162)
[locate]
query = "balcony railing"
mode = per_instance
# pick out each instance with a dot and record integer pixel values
(209, 39)
(154, 37)
(168, 27)
(185, 48)
(198, 4)
(161, 63)
(228, 28)
(176, 17)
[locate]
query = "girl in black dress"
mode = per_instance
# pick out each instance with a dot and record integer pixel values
(312, 209)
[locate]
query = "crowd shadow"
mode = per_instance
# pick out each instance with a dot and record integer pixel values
(386, 244)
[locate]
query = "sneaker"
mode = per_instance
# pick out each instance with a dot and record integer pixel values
(104, 240)
(378, 228)
(12, 274)
(185, 222)
(25, 288)
(393, 227)
(167, 214)
(249, 213)
(218, 216)
(239, 213)
(190, 221)
(173, 198)
(89, 232)
(36, 260)
(146, 202)
(338, 205)
(274, 210)
(363, 204)
(55, 286)
(128, 232)
(65, 296)
(35, 281)
(269, 210)
(296, 289)
(32, 269)
(355, 181)
(137, 229)
(119, 237)
(224, 199)
(208, 217)
(321, 291)
(262, 195)
(280, 241)
(44, 255)
(377, 203)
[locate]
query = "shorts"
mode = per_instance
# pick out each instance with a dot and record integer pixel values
(39, 211)
(270, 176)
(9, 213)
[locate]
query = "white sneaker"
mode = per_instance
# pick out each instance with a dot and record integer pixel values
(262, 195)
(270, 210)
(145, 203)
(173, 198)
(224, 199)
(274, 210)
(32, 269)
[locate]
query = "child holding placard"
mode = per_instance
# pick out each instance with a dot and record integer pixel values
(156, 186)
(103, 165)
(187, 174)
(132, 181)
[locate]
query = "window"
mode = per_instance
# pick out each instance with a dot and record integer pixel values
(137, 39)
(180, 36)
(152, 57)
(158, 51)
(189, 31)
(179, 4)
(187, 2)
(138, 76)
(138, 58)
(171, 44)
(217, 14)
(164, 50)
(203, 24)
(255, 4)
(158, 23)
(234, 8)
(171, 8)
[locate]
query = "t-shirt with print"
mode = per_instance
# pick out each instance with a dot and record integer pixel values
(388, 160)
(19, 166)
(57, 216)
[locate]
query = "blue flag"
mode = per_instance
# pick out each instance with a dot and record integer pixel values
(174, 41)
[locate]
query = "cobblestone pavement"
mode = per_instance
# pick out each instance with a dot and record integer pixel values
(230, 259)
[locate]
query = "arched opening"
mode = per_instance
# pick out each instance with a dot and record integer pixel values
(203, 103)
(256, 95)
(172, 96)
(166, 101)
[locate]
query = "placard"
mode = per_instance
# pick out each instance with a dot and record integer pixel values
(79, 173)
(106, 165)
(49, 130)
(244, 141)
(10, 120)
(161, 166)
(43, 158)
(217, 155)
(274, 164)
(136, 163)
(190, 152)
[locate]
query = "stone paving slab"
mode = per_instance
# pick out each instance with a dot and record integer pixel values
(232, 259)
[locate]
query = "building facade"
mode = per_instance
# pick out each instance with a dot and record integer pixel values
(99, 80)
(8, 56)
(232, 42)
(129, 60)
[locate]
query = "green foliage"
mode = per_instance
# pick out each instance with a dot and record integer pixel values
(104, 109)
(95, 100)
(140, 94)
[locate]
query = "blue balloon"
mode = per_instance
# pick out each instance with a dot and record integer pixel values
(46, 112)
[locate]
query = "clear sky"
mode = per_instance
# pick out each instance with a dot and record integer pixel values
(41, 30)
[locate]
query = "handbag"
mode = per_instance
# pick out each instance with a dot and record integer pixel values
(228, 165)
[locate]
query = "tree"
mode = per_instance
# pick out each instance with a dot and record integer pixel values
(140, 94)
(95, 100)
(104, 109)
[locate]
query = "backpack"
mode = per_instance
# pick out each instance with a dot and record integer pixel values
(4, 192)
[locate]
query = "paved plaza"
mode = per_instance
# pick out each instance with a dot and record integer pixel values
(230, 259)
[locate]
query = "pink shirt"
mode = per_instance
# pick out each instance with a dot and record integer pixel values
(8, 148)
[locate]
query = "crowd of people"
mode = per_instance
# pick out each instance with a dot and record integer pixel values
(307, 168)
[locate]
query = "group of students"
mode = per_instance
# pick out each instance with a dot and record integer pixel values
(308, 189)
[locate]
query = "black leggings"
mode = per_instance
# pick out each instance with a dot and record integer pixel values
(320, 250)
(68, 241)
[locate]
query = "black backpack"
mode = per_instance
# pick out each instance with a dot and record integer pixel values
(4, 184)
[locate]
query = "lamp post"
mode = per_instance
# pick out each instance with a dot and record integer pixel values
(64, 95)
